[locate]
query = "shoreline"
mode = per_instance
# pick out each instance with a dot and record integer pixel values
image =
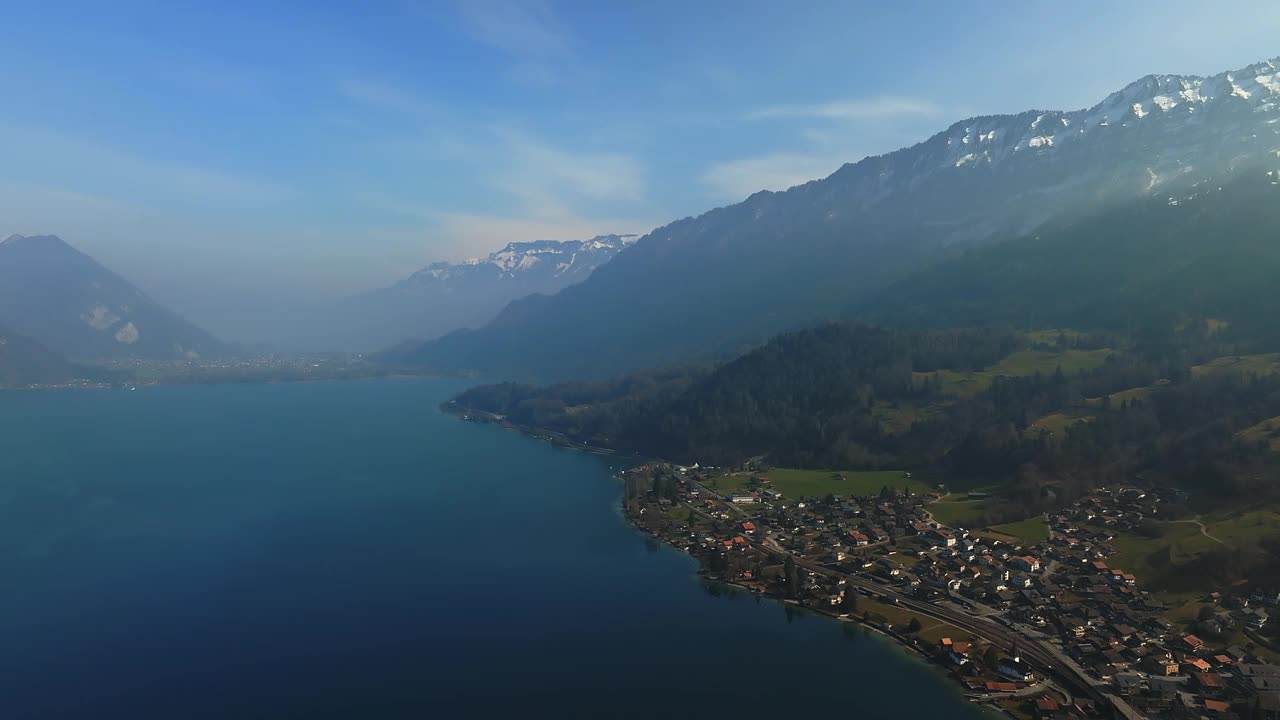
(844, 621)
(449, 407)
(990, 703)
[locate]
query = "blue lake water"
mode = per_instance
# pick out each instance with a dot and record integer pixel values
(344, 550)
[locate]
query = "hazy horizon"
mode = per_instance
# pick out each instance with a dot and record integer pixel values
(238, 183)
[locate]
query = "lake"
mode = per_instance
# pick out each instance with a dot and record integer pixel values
(344, 550)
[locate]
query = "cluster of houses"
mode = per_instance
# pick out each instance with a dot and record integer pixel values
(1064, 585)
(1121, 635)
(831, 528)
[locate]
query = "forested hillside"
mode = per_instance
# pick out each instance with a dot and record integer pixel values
(970, 405)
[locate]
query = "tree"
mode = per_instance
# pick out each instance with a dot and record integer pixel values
(914, 626)
(991, 658)
(1205, 613)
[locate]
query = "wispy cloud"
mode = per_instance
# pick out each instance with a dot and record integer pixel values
(383, 96)
(823, 137)
(736, 179)
(536, 170)
(539, 45)
(876, 107)
(526, 28)
(553, 193)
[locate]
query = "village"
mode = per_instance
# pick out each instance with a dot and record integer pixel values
(1041, 626)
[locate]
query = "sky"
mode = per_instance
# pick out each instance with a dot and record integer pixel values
(239, 159)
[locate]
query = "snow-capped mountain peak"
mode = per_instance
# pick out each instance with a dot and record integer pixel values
(443, 296)
(578, 257)
(1166, 100)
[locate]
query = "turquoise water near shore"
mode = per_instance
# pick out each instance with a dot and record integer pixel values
(345, 550)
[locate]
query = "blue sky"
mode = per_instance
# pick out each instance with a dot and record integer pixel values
(230, 155)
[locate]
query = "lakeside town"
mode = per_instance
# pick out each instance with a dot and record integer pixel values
(1039, 624)
(252, 368)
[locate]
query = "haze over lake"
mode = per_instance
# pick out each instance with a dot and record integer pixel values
(345, 550)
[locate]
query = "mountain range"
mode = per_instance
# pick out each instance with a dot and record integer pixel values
(444, 297)
(779, 260)
(67, 302)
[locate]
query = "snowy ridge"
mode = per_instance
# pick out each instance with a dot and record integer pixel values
(443, 297)
(1156, 100)
(555, 257)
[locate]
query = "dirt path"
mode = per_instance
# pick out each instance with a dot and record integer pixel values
(1203, 530)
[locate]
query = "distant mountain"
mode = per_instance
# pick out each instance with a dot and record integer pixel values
(781, 260)
(66, 301)
(24, 361)
(443, 297)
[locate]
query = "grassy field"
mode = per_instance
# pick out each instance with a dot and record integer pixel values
(957, 513)
(1085, 411)
(1246, 364)
(1137, 393)
(1267, 431)
(1156, 561)
(820, 483)
(1050, 337)
(1245, 526)
(1057, 423)
(1019, 364)
(1159, 563)
(930, 629)
(1030, 531)
(957, 384)
(897, 419)
(1029, 362)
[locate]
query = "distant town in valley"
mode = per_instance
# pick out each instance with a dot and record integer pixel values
(265, 368)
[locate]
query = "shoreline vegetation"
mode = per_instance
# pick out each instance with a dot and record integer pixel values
(451, 407)
(874, 620)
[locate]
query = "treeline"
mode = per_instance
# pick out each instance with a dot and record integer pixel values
(816, 398)
(805, 397)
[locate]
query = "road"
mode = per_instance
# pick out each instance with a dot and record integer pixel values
(1060, 671)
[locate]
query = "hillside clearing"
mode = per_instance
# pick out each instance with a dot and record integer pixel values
(1267, 431)
(1266, 364)
(1056, 423)
(1019, 364)
(794, 483)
